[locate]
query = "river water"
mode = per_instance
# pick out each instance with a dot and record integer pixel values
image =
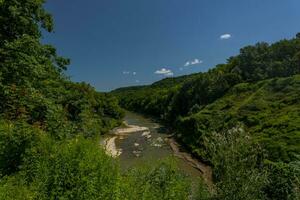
(141, 147)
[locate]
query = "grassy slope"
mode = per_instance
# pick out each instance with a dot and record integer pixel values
(269, 109)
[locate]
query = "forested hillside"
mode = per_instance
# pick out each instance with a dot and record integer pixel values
(253, 99)
(50, 126)
(241, 117)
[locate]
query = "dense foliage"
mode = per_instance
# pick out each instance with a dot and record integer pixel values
(258, 88)
(241, 117)
(79, 169)
(49, 125)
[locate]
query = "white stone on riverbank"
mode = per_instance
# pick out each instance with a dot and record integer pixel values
(137, 153)
(145, 134)
(158, 142)
(110, 147)
(129, 129)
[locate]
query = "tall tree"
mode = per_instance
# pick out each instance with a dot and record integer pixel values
(23, 59)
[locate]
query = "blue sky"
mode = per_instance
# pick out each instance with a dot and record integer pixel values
(117, 43)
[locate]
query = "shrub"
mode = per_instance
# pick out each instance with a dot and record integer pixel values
(14, 188)
(284, 181)
(160, 181)
(237, 166)
(15, 139)
(74, 169)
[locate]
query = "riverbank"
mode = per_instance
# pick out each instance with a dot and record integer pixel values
(110, 147)
(109, 144)
(202, 167)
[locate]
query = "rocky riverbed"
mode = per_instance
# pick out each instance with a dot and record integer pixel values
(141, 139)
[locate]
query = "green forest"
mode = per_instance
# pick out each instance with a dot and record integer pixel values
(49, 126)
(253, 98)
(242, 118)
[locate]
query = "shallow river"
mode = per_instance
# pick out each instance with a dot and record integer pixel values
(140, 148)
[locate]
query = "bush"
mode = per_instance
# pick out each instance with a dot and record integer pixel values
(237, 166)
(15, 139)
(75, 169)
(161, 181)
(284, 181)
(14, 188)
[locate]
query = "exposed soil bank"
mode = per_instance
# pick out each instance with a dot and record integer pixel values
(204, 168)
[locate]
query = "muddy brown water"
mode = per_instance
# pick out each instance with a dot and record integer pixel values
(138, 149)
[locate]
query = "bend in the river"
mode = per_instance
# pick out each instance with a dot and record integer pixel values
(142, 139)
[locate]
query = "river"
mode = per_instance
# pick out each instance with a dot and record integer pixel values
(146, 146)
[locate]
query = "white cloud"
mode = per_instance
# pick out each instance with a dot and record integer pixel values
(196, 61)
(128, 73)
(187, 64)
(137, 81)
(164, 71)
(169, 74)
(225, 36)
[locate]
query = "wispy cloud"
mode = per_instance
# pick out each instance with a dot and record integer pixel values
(137, 81)
(128, 73)
(225, 36)
(196, 61)
(187, 64)
(164, 71)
